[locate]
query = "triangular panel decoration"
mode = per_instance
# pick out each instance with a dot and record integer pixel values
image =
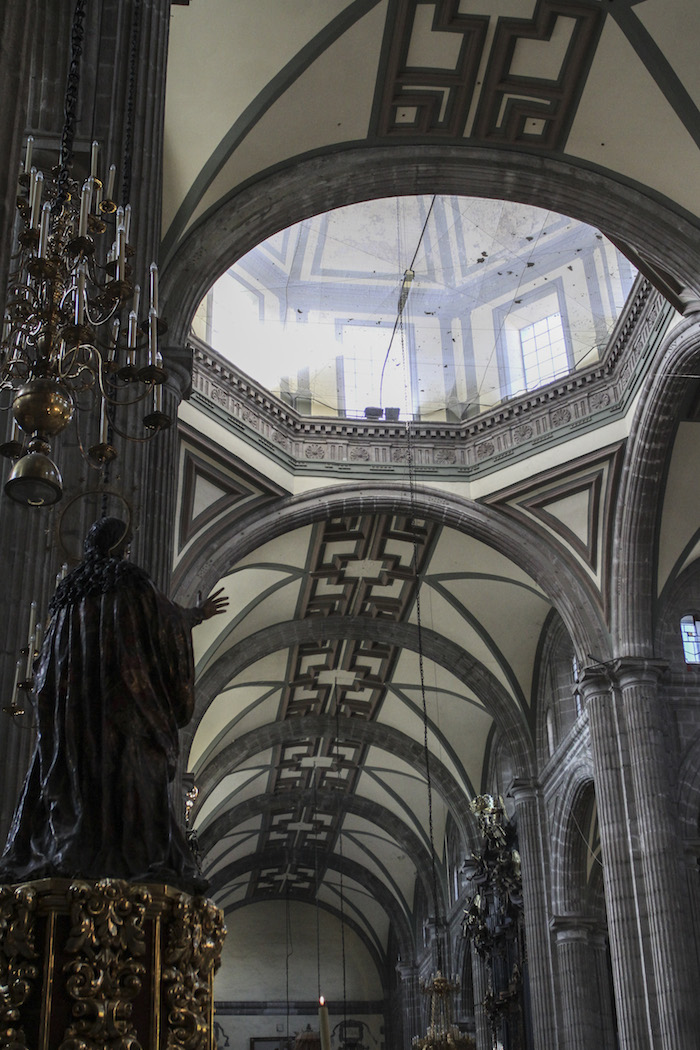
(572, 510)
(573, 504)
(213, 485)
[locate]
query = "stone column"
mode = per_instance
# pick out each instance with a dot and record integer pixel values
(606, 1020)
(579, 981)
(531, 844)
(692, 882)
(33, 75)
(483, 1028)
(408, 972)
(672, 951)
(621, 866)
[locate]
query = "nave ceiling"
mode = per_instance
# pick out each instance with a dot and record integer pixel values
(307, 745)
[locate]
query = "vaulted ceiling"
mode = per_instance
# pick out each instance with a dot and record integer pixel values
(308, 745)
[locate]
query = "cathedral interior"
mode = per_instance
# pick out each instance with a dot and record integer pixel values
(431, 277)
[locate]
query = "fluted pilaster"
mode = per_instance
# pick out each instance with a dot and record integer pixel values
(674, 960)
(623, 893)
(535, 884)
(586, 1024)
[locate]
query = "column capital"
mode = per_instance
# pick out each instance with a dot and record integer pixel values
(523, 789)
(407, 971)
(178, 363)
(633, 669)
(576, 928)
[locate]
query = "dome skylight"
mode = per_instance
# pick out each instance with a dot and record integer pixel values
(417, 307)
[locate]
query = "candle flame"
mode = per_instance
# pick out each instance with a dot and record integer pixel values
(322, 1001)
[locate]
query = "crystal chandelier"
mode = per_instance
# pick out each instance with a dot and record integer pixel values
(73, 342)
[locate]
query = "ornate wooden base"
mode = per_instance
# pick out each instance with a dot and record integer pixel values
(106, 965)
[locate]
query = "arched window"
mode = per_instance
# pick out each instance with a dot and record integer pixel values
(690, 635)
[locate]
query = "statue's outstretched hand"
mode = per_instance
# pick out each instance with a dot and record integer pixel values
(216, 603)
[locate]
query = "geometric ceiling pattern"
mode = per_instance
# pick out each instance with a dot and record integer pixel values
(307, 744)
(309, 758)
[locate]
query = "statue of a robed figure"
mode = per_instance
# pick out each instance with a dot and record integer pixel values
(114, 681)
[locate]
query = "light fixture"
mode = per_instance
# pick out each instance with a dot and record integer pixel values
(442, 1034)
(71, 340)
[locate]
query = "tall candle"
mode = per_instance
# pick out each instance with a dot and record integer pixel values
(324, 1025)
(154, 287)
(84, 208)
(93, 158)
(28, 156)
(44, 230)
(111, 176)
(36, 199)
(152, 337)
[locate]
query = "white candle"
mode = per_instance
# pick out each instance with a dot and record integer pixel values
(84, 209)
(131, 334)
(93, 158)
(127, 222)
(44, 230)
(111, 176)
(324, 1025)
(152, 337)
(15, 687)
(116, 325)
(154, 287)
(121, 254)
(37, 190)
(80, 296)
(104, 422)
(30, 640)
(137, 299)
(158, 397)
(28, 155)
(98, 198)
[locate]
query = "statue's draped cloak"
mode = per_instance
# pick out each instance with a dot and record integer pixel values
(113, 682)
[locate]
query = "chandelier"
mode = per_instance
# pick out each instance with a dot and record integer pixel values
(73, 340)
(441, 1034)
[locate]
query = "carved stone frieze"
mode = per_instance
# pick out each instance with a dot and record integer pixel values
(542, 417)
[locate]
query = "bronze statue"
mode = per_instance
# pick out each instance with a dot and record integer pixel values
(113, 683)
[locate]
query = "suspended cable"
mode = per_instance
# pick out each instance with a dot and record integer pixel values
(408, 276)
(421, 667)
(340, 850)
(289, 950)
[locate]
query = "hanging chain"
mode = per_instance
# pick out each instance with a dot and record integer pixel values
(131, 103)
(410, 461)
(70, 104)
(340, 850)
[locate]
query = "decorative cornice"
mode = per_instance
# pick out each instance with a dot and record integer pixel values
(364, 449)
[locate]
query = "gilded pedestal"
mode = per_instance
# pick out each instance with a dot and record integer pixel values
(106, 965)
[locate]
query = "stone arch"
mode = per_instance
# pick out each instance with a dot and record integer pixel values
(497, 701)
(569, 890)
(280, 856)
(301, 188)
(555, 711)
(295, 895)
(664, 394)
(559, 576)
(334, 804)
(356, 730)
